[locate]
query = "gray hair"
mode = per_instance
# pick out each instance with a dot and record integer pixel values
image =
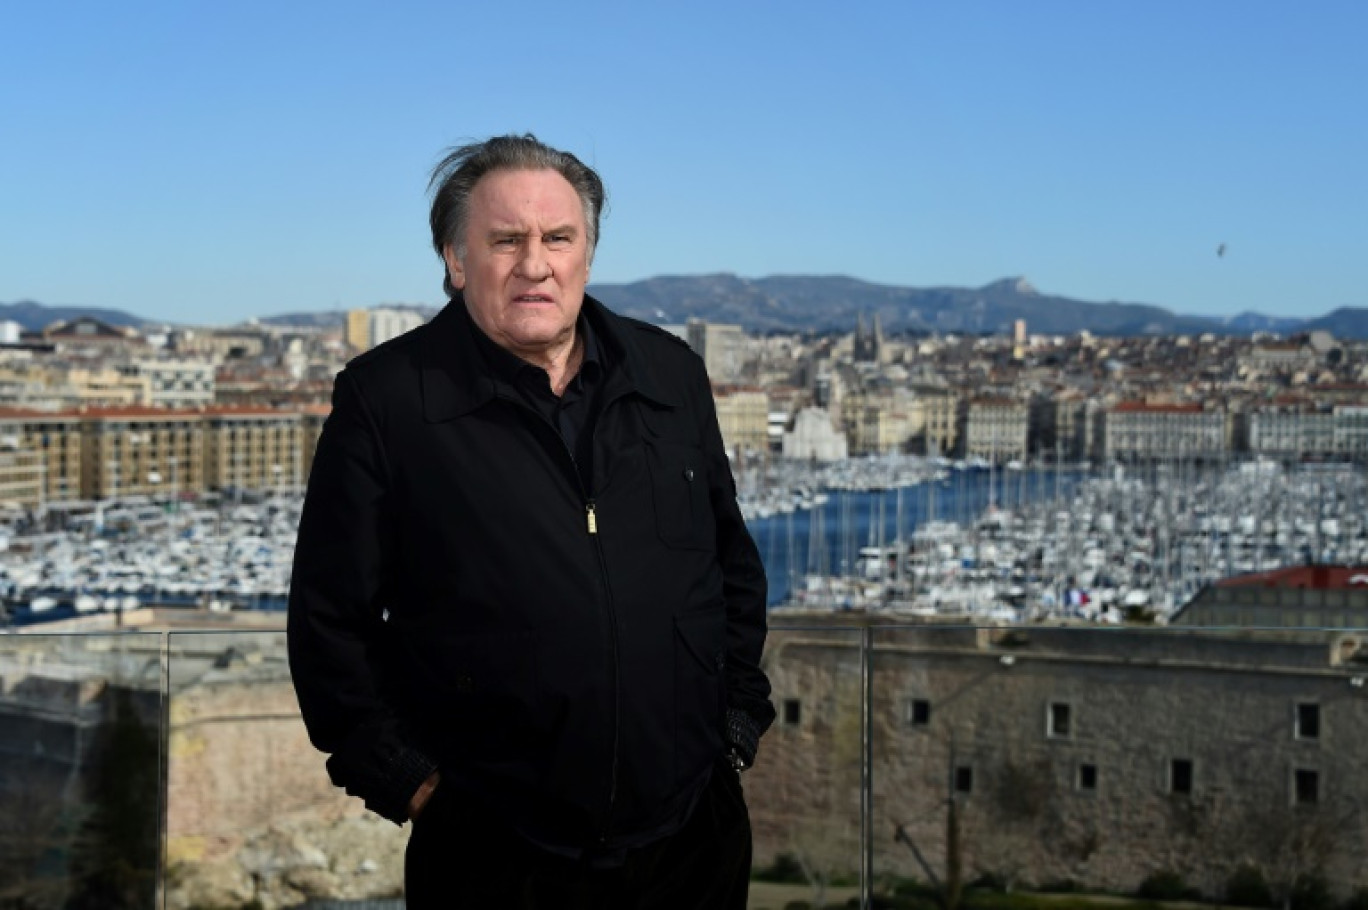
(454, 179)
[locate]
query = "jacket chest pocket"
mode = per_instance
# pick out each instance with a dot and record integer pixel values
(679, 488)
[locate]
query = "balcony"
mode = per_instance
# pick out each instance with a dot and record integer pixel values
(909, 766)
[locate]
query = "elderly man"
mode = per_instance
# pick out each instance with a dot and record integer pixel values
(526, 613)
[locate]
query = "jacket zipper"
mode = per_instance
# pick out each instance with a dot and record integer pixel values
(591, 520)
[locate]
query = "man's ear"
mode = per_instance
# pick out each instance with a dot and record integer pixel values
(455, 269)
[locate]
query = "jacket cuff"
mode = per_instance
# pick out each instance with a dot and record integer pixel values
(386, 778)
(743, 735)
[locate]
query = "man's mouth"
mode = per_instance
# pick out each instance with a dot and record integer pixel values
(532, 298)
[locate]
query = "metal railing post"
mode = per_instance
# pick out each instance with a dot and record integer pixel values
(867, 769)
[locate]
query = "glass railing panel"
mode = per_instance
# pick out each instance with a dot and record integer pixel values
(1221, 765)
(804, 791)
(251, 813)
(80, 770)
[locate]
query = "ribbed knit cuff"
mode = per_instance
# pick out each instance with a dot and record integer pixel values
(743, 735)
(387, 780)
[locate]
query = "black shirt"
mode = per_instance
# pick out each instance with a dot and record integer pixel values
(572, 413)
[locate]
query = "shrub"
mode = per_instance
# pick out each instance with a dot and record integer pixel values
(1357, 901)
(785, 870)
(1167, 885)
(1061, 886)
(1311, 892)
(1247, 887)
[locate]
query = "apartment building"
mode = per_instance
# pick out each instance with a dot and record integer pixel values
(140, 451)
(743, 417)
(722, 347)
(1292, 430)
(367, 328)
(880, 425)
(21, 479)
(941, 420)
(997, 429)
(55, 440)
(253, 449)
(172, 383)
(1137, 430)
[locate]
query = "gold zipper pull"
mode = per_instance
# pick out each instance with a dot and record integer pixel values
(593, 519)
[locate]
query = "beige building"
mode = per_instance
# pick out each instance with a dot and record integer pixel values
(172, 383)
(56, 441)
(940, 412)
(722, 347)
(141, 451)
(21, 479)
(358, 329)
(253, 449)
(882, 425)
(997, 429)
(743, 416)
(1138, 430)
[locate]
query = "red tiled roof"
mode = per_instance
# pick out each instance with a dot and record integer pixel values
(1141, 407)
(136, 410)
(1319, 577)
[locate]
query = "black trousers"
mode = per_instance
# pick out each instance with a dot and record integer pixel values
(464, 863)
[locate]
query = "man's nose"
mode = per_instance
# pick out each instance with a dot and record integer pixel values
(533, 264)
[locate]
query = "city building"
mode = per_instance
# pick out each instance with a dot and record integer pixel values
(941, 419)
(722, 348)
(997, 429)
(1137, 430)
(55, 438)
(743, 417)
(141, 451)
(1313, 596)
(814, 437)
(172, 383)
(389, 322)
(254, 449)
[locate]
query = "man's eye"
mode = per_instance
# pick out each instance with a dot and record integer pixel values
(557, 239)
(506, 241)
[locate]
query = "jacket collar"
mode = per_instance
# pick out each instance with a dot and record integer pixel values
(455, 379)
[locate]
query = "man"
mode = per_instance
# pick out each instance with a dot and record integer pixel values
(525, 610)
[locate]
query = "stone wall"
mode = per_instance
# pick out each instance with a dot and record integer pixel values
(1132, 705)
(251, 813)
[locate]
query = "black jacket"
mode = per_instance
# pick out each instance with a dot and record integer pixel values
(566, 653)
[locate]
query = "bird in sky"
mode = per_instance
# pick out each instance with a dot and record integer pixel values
(1220, 250)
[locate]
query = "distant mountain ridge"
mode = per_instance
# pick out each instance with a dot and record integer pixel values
(791, 303)
(34, 316)
(827, 302)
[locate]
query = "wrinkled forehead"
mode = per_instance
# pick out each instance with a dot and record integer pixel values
(539, 197)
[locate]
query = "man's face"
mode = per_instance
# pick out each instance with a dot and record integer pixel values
(526, 260)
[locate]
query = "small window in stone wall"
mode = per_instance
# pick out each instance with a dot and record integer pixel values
(919, 712)
(1305, 787)
(1308, 721)
(1087, 777)
(793, 712)
(964, 779)
(1180, 776)
(1060, 719)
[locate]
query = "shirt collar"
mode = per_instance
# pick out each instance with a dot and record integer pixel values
(510, 368)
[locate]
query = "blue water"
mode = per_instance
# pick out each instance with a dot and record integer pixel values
(850, 520)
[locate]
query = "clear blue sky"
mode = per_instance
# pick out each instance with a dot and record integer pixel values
(211, 161)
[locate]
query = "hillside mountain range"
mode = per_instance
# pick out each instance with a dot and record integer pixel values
(787, 303)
